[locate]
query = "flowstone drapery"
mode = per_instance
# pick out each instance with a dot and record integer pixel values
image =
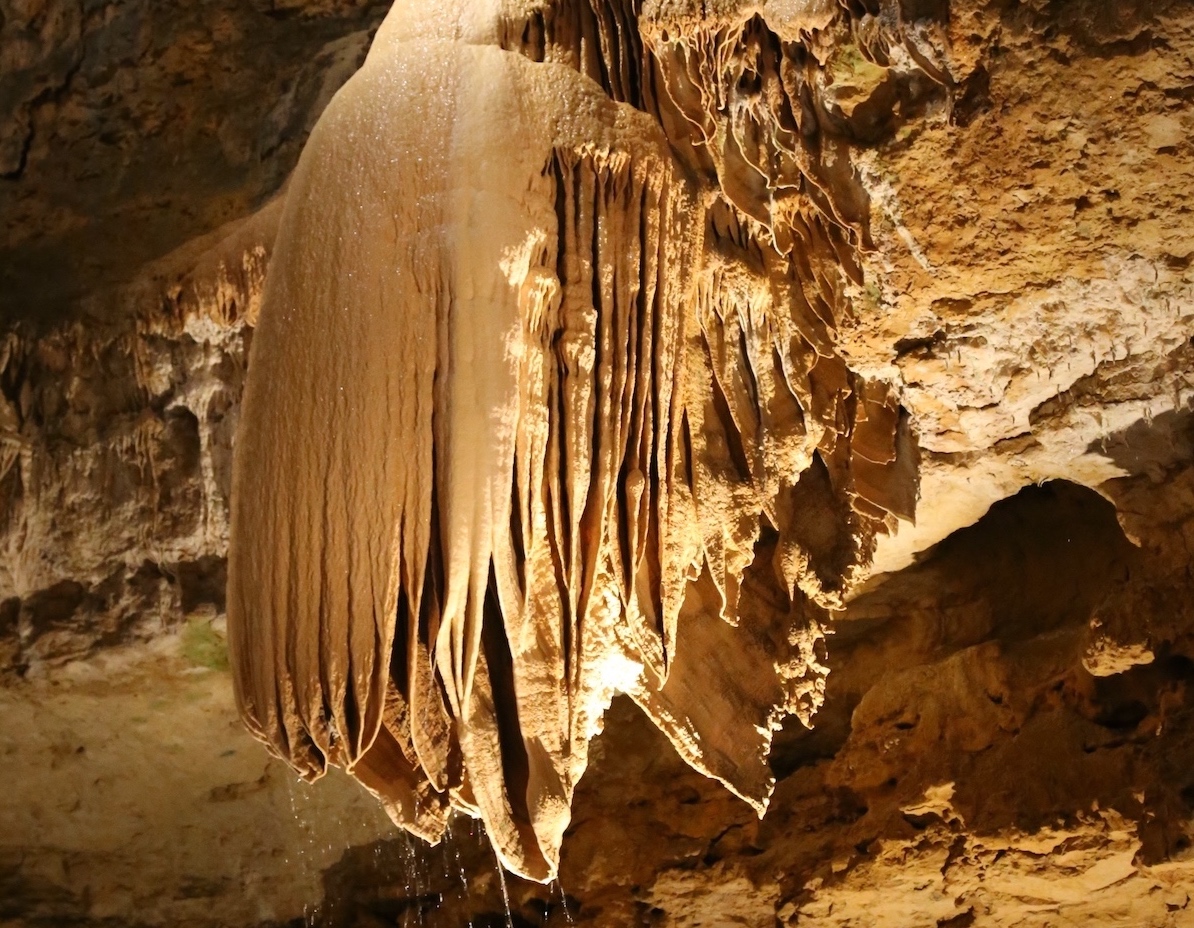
(545, 404)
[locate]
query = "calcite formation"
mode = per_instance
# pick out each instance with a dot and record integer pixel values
(547, 360)
(971, 217)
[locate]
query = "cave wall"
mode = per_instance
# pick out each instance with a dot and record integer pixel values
(1005, 737)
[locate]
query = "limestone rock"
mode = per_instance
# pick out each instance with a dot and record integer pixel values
(538, 390)
(890, 245)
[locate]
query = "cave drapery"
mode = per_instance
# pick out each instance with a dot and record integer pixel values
(988, 200)
(546, 402)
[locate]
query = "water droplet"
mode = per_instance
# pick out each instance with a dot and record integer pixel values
(564, 901)
(505, 893)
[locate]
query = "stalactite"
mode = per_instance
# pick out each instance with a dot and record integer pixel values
(544, 404)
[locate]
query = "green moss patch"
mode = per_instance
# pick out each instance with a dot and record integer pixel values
(202, 646)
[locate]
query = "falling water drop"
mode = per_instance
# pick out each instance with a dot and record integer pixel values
(450, 839)
(564, 901)
(307, 858)
(505, 893)
(413, 860)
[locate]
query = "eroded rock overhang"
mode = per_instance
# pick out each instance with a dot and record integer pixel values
(597, 355)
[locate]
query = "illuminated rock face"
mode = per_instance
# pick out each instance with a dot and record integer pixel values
(991, 201)
(546, 403)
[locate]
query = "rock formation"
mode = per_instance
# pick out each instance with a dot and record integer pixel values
(822, 360)
(525, 391)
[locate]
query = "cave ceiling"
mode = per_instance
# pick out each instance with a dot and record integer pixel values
(424, 385)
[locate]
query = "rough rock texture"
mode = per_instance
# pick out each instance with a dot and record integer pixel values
(989, 200)
(128, 128)
(512, 437)
(138, 799)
